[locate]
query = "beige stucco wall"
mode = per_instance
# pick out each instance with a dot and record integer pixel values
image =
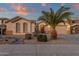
(12, 27)
(62, 29)
(33, 27)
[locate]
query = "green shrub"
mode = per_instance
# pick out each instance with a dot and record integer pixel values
(28, 36)
(42, 38)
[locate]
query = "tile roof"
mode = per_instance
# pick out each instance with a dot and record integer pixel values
(17, 18)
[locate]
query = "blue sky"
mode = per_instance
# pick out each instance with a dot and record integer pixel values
(32, 10)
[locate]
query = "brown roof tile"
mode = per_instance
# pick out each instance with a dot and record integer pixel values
(17, 18)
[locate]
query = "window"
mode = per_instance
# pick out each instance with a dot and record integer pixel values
(17, 27)
(25, 27)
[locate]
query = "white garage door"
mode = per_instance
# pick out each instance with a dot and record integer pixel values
(61, 29)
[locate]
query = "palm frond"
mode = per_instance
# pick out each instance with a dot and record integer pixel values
(53, 19)
(69, 20)
(65, 15)
(61, 10)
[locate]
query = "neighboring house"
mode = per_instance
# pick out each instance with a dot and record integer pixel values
(75, 26)
(2, 25)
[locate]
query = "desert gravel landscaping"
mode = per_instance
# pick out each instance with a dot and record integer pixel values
(62, 39)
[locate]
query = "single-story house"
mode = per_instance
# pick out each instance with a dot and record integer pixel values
(20, 26)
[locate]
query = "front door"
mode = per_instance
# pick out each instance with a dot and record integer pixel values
(42, 29)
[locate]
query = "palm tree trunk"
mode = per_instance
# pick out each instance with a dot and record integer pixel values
(53, 33)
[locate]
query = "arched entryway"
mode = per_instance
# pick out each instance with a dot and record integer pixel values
(42, 27)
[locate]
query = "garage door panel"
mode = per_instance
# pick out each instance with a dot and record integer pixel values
(61, 29)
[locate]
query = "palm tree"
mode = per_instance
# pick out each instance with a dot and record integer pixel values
(54, 18)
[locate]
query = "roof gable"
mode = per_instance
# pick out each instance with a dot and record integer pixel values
(17, 18)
